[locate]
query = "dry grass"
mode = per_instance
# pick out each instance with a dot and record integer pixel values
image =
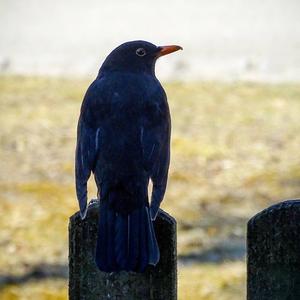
(235, 150)
(45, 290)
(210, 282)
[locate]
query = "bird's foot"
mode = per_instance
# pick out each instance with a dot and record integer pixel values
(93, 201)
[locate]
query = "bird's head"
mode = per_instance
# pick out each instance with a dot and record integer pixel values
(136, 56)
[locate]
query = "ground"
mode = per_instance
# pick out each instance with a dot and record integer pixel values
(235, 151)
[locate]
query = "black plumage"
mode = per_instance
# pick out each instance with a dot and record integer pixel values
(123, 138)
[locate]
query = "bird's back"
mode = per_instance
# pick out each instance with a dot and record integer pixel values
(131, 113)
(129, 122)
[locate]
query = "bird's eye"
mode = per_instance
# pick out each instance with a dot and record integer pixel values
(140, 52)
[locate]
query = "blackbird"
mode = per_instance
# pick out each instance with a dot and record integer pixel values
(123, 137)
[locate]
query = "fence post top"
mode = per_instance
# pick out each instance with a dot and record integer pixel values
(286, 204)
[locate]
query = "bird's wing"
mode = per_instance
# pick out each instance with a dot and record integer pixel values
(88, 140)
(156, 153)
(159, 178)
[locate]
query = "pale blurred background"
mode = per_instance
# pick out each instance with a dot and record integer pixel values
(234, 96)
(222, 39)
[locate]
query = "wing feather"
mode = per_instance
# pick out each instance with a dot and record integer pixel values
(155, 139)
(88, 143)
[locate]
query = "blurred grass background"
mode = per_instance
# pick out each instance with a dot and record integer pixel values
(235, 150)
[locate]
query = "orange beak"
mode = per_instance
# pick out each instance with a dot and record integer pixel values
(164, 50)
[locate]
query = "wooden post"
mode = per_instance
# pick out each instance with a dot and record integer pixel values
(273, 247)
(86, 282)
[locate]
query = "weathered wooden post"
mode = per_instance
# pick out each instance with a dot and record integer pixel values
(274, 253)
(86, 282)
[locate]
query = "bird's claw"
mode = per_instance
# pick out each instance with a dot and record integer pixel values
(93, 201)
(84, 213)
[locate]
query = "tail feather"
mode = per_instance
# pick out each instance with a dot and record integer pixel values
(144, 253)
(121, 240)
(125, 241)
(101, 250)
(133, 240)
(111, 216)
(152, 243)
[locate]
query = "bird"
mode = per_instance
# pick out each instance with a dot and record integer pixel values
(123, 139)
